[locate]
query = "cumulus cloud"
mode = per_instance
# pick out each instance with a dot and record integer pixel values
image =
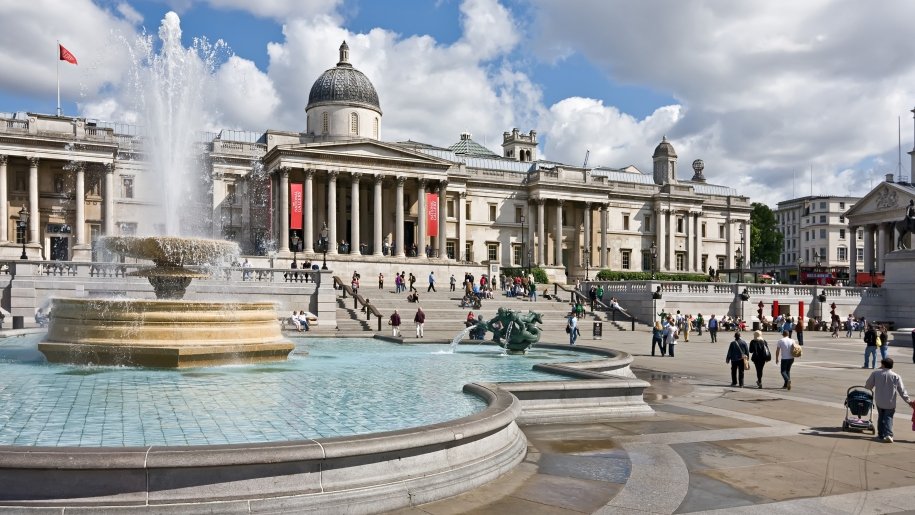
(245, 96)
(280, 9)
(768, 89)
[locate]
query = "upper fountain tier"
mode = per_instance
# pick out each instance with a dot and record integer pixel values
(167, 251)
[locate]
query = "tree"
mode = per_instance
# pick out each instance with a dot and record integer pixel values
(765, 239)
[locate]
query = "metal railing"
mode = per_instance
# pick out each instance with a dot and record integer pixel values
(369, 308)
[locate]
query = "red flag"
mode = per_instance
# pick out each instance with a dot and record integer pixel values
(432, 214)
(65, 55)
(295, 204)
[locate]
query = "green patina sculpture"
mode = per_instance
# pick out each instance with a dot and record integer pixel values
(514, 331)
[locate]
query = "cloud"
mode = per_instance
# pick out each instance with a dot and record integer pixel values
(766, 88)
(245, 96)
(129, 13)
(281, 10)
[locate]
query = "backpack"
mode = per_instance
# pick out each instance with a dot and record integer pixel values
(796, 350)
(713, 323)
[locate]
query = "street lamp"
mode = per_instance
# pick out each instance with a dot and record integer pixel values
(800, 261)
(23, 224)
(738, 258)
(653, 250)
(295, 248)
(587, 263)
(322, 243)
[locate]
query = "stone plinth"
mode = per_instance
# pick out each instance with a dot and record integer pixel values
(899, 306)
(163, 333)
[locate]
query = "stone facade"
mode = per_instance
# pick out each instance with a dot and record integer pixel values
(815, 231)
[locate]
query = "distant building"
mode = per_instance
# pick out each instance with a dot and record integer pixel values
(816, 235)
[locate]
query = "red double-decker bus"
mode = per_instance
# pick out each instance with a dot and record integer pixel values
(824, 276)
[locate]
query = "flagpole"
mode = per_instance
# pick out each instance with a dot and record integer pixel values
(58, 78)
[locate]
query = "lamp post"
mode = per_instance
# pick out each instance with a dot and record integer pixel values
(23, 224)
(587, 263)
(800, 261)
(295, 248)
(653, 250)
(323, 245)
(738, 258)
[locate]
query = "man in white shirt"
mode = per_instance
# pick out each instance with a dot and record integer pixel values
(783, 353)
(886, 384)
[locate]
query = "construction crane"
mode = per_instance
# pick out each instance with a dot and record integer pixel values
(587, 157)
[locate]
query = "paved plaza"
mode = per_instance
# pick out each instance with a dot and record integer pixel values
(713, 448)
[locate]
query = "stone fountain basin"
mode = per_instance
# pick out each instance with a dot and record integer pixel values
(163, 333)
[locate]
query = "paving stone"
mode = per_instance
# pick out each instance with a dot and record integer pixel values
(569, 493)
(597, 468)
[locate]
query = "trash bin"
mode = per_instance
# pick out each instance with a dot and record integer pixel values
(598, 330)
(18, 322)
(756, 326)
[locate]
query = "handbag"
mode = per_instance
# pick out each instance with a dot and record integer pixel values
(768, 354)
(746, 363)
(796, 350)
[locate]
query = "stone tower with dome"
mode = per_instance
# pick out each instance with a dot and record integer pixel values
(665, 163)
(343, 103)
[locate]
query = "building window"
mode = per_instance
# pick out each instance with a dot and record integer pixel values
(59, 184)
(230, 194)
(354, 124)
(860, 252)
(325, 123)
(22, 182)
(704, 262)
(449, 248)
(822, 205)
(822, 234)
(626, 258)
(126, 187)
(806, 236)
(468, 251)
(842, 219)
(721, 231)
(517, 255)
(492, 212)
(647, 223)
(679, 224)
(452, 208)
(375, 128)
(681, 261)
(860, 234)
(841, 234)
(721, 262)
(626, 221)
(842, 253)
(565, 218)
(703, 232)
(822, 219)
(518, 214)
(842, 205)
(467, 211)
(646, 261)
(492, 251)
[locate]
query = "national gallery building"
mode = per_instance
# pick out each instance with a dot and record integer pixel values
(66, 181)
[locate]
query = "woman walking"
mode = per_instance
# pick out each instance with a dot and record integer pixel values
(759, 355)
(673, 332)
(884, 340)
(737, 353)
(657, 338)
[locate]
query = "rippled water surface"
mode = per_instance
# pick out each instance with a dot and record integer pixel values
(341, 387)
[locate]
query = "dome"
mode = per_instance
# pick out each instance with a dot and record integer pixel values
(344, 84)
(664, 149)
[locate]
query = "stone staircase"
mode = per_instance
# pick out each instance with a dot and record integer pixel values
(445, 317)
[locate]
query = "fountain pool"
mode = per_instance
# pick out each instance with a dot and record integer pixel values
(343, 387)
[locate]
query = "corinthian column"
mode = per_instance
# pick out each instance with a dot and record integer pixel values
(659, 229)
(4, 201)
(603, 210)
(332, 212)
(378, 213)
(80, 204)
(33, 201)
(398, 217)
(354, 216)
(308, 233)
(557, 239)
(421, 218)
(109, 199)
(442, 199)
(541, 233)
(284, 210)
(588, 247)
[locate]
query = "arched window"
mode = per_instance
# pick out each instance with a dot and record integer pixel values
(375, 128)
(354, 123)
(325, 123)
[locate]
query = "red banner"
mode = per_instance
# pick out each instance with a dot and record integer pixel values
(66, 55)
(432, 214)
(295, 205)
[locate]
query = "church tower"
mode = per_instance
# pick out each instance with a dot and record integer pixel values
(665, 163)
(520, 147)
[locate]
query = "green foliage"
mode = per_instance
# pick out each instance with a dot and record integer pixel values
(538, 273)
(613, 275)
(765, 239)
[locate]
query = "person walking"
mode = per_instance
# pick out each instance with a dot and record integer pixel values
(572, 328)
(738, 356)
(759, 355)
(799, 330)
(870, 347)
(452, 282)
(713, 329)
(419, 319)
(886, 384)
(687, 325)
(784, 351)
(883, 342)
(657, 339)
(431, 282)
(672, 336)
(849, 325)
(380, 281)
(699, 323)
(412, 282)
(394, 322)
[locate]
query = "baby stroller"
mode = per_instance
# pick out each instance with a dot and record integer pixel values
(859, 401)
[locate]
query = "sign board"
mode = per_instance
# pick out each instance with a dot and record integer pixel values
(598, 330)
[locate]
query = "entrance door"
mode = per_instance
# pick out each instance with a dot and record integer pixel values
(60, 248)
(409, 237)
(566, 261)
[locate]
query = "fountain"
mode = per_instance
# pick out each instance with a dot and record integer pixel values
(169, 331)
(513, 331)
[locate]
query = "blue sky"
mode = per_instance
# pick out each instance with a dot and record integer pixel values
(758, 90)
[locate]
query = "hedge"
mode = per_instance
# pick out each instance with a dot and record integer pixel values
(538, 273)
(613, 275)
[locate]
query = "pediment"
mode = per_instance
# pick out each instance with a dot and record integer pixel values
(361, 150)
(886, 202)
